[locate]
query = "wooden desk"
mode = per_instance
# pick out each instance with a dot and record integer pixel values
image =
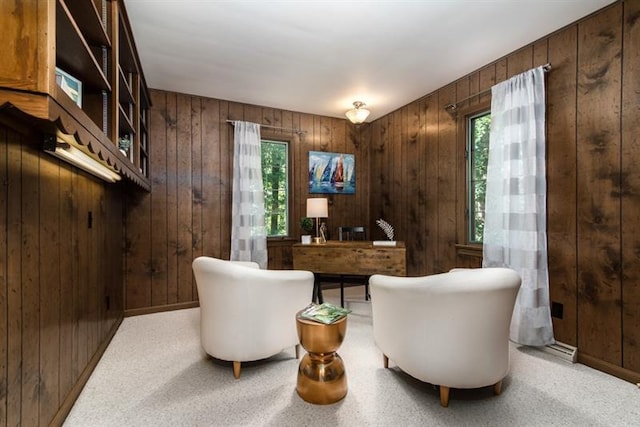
(349, 258)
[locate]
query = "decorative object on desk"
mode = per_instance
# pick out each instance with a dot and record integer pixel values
(317, 208)
(386, 227)
(306, 224)
(70, 85)
(124, 143)
(331, 173)
(388, 230)
(323, 232)
(326, 313)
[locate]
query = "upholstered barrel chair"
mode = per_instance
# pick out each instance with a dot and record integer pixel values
(449, 329)
(246, 313)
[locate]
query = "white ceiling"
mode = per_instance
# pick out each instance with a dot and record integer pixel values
(320, 56)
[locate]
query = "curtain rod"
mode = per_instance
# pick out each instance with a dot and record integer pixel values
(454, 105)
(297, 131)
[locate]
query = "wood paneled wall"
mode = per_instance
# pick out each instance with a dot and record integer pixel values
(593, 111)
(410, 172)
(188, 212)
(60, 281)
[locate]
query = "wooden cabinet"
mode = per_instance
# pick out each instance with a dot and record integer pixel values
(91, 41)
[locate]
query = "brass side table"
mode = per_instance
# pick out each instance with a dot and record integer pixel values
(321, 376)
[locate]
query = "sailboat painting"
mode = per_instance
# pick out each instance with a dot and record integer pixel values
(332, 173)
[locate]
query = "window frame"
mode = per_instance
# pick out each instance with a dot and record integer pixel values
(287, 143)
(465, 246)
(469, 176)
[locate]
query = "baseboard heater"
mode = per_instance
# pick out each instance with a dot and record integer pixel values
(563, 351)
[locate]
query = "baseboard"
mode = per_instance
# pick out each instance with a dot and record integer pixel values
(609, 368)
(160, 308)
(563, 351)
(75, 391)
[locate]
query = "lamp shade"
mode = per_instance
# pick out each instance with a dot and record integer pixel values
(317, 208)
(358, 114)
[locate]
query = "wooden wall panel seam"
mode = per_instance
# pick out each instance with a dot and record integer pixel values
(4, 285)
(630, 187)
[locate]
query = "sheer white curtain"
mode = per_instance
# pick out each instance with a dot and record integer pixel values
(515, 233)
(248, 230)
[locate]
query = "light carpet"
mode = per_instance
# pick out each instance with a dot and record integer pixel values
(154, 373)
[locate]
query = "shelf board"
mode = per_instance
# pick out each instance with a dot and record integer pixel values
(129, 56)
(125, 93)
(143, 141)
(143, 127)
(89, 21)
(76, 58)
(143, 151)
(145, 102)
(124, 123)
(126, 52)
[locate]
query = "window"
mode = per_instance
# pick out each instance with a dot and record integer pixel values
(275, 180)
(478, 127)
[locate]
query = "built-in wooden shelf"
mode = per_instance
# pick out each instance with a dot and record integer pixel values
(92, 42)
(76, 57)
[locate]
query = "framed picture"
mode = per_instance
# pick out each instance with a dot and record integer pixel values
(332, 173)
(70, 85)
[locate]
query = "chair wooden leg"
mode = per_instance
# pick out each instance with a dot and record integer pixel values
(497, 388)
(297, 351)
(444, 396)
(236, 369)
(385, 360)
(342, 291)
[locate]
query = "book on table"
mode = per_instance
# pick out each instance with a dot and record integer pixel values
(326, 313)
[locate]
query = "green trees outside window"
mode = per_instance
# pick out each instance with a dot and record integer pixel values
(478, 127)
(275, 180)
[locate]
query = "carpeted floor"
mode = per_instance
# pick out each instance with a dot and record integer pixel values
(154, 373)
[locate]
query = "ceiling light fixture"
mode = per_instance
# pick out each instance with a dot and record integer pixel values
(358, 114)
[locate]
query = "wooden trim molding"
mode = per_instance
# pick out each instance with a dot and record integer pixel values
(601, 365)
(71, 398)
(469, 250)
(160, 308)
(60, 112)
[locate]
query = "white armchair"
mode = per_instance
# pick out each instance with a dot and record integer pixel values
(449, 329)
(246, 313)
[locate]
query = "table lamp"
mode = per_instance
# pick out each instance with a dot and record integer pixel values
(317, 208)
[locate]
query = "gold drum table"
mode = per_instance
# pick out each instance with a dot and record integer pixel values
(321, 376)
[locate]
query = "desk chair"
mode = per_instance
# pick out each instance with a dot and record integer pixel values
(353, 233)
